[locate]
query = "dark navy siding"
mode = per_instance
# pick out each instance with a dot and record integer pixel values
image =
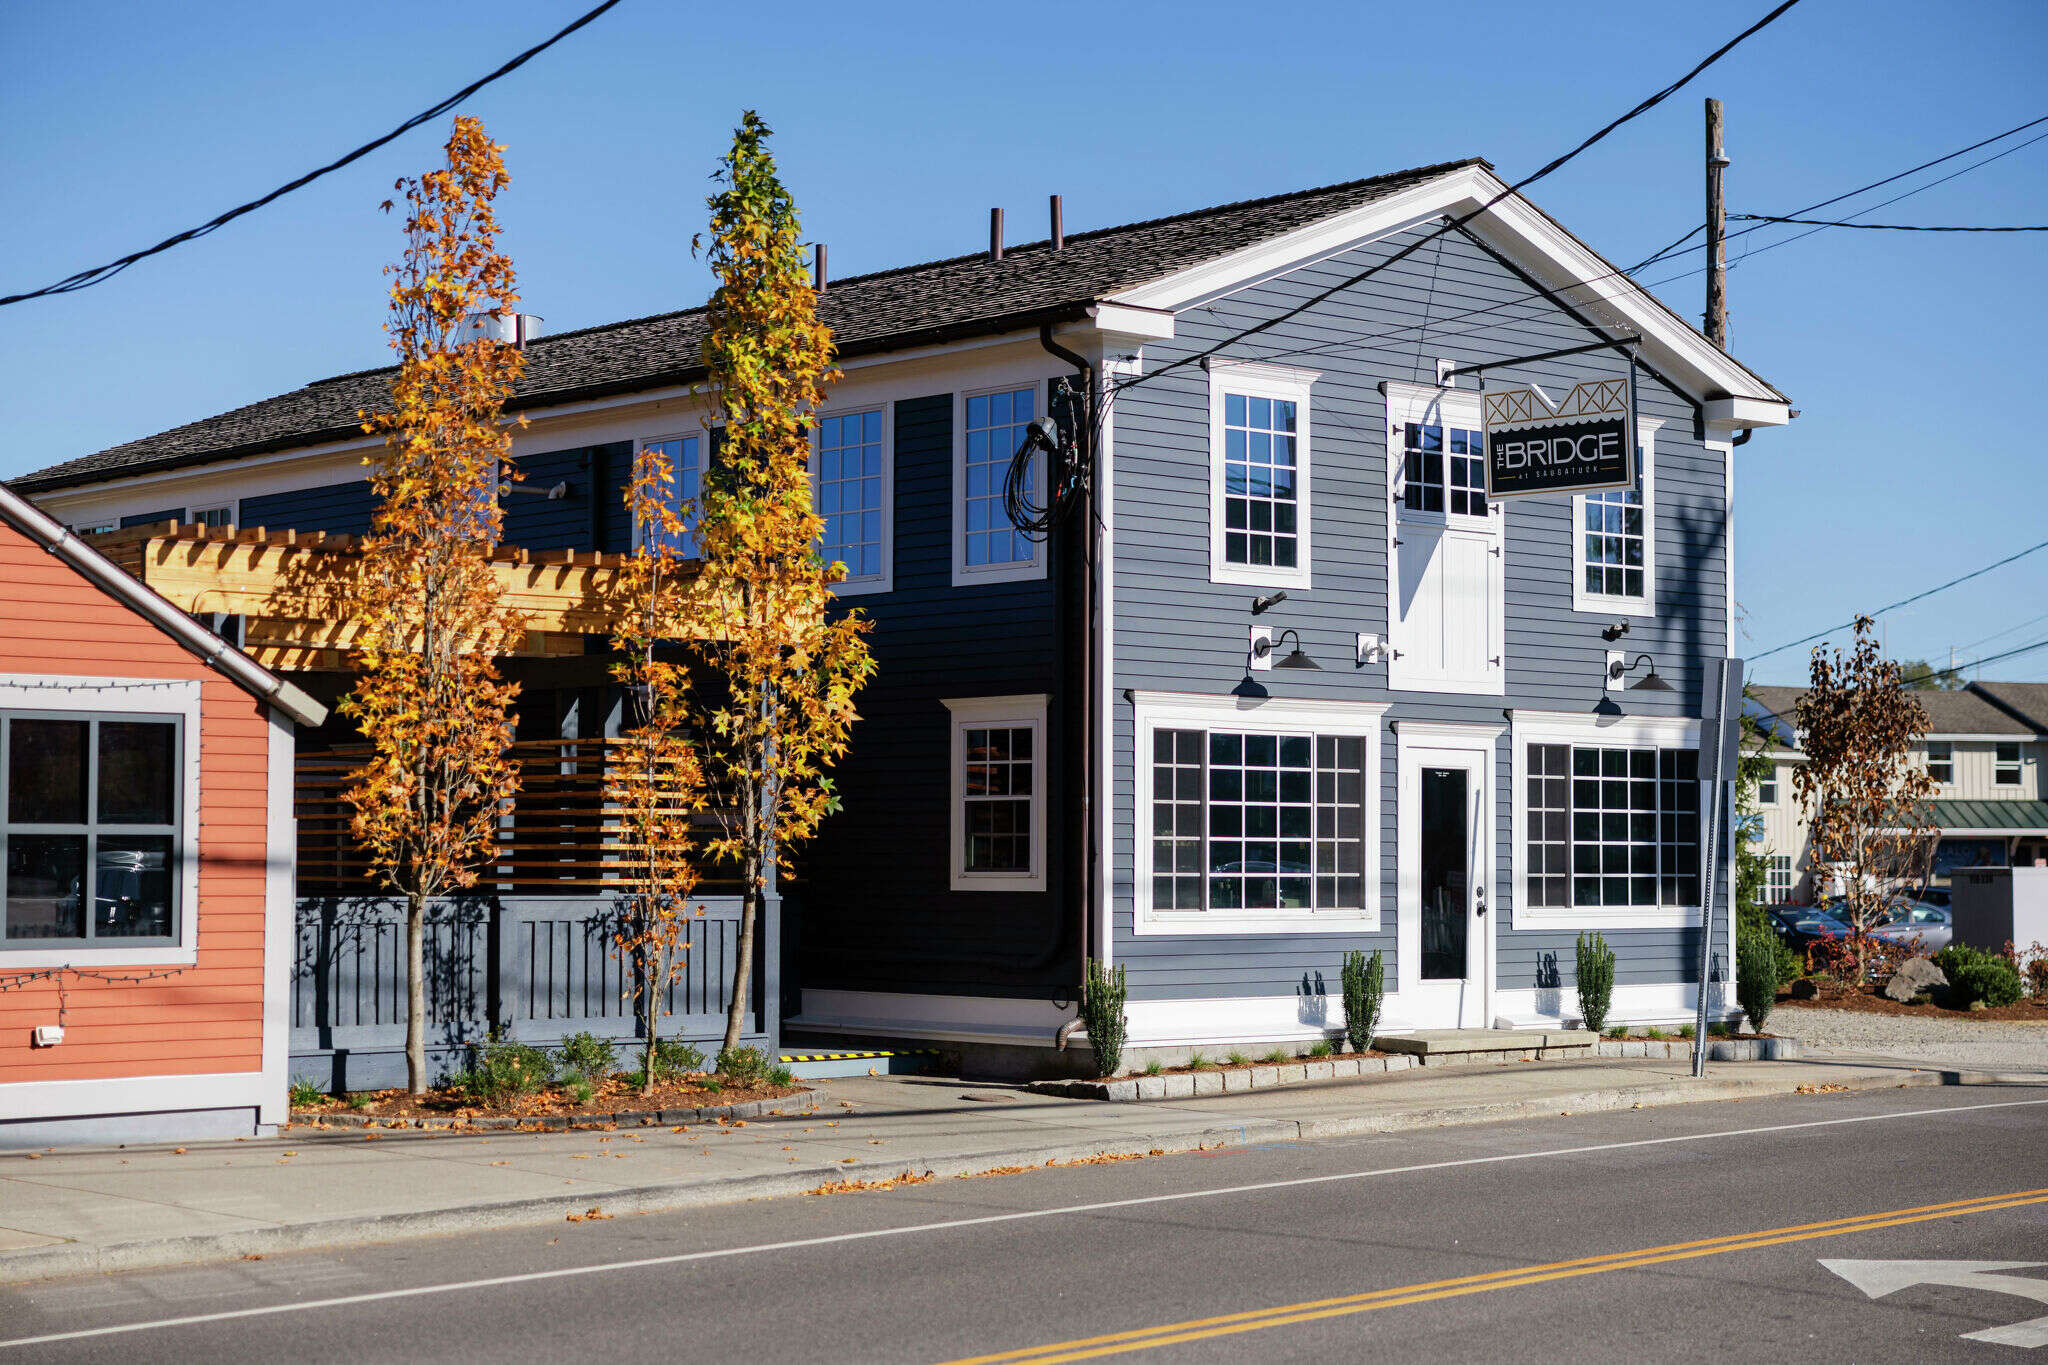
(337, 508)
(1177, 631)
(152, 518)
(878, 912)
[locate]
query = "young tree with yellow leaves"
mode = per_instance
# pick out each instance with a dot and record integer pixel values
(428, 612)
(785, 667)
(655, 787)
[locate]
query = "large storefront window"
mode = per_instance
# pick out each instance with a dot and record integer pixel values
(1611, 827)
(89, 819)
(1246, 821)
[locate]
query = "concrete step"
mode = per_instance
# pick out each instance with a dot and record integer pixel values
(1443, 1046)
(819, 1064)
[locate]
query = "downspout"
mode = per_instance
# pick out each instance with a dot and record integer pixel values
(1079, 664)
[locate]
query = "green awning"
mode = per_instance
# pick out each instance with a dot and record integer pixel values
(1991, 817)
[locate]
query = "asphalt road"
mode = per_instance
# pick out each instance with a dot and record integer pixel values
(1693, 1232)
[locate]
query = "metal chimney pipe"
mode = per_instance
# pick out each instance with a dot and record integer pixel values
(995, 234)
(1059, 225)
(818, 276)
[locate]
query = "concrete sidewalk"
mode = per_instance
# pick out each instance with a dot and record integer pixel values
(68, 1211)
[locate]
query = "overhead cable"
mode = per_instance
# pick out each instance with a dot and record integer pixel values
(1903, 602)
(1884, 227)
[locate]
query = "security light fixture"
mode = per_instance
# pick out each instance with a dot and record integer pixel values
(1615, 631)
(553, 493)
(1649, 682)
(1262, 605)
(1295, 657)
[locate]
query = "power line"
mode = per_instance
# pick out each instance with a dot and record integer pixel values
(1851, 194)
(1642, 108)
(1903, 602)
(1882, 227)
(1986, 639)
(99, 274)
(1989, 659)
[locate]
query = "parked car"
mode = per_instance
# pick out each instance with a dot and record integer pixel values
(1925, 926)
(1802, 926)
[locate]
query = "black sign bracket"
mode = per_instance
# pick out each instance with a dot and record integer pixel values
(1629, 343)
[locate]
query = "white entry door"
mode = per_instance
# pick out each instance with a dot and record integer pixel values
(1445, 932)
(1446, 574)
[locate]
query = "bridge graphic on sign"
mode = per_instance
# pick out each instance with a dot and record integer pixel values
(1581, 444)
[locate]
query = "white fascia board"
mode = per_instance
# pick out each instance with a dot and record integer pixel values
(1735, 414)
(1526, 236)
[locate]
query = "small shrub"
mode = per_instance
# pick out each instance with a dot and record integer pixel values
(1237, 1058)
(2035, 971)
(782, 1075)
(1154, 1067)
(1197, 1062)
(712, 1084)
(1322, 1048)
(1975, 975)
(1102, 1014)
(1720, 1030)
(1595, 979)
(1618, 1031)
(1655, 1034)
(503, 1070)
(587, 1056)
(674, 1059)
(1758, 960)
(580, 1091)
(1364, 993)
(744, 1064)
(1278, 1056)
(1685, 1031)
(305, 1093)
(360, 1102)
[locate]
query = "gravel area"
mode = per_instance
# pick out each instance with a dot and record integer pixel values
(1988, 1046)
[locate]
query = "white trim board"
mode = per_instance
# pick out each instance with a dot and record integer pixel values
(280, 917)
(131, 1095)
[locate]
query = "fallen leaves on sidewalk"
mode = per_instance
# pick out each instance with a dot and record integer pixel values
(1829, 1089)
(852, 1186)
(593, 1214)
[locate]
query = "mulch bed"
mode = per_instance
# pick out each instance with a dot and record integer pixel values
(1223, 1064)
(1830, 995)
(608, 1099)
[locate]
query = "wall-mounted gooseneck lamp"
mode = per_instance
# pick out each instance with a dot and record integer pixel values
(1296, 658)
(1649, 682)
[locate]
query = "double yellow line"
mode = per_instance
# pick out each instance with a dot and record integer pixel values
(1229, 1324)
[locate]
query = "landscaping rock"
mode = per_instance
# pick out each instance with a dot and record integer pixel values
(1915, 976)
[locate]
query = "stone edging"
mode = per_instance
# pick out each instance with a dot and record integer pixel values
(1183, 1085)
(541, 1123)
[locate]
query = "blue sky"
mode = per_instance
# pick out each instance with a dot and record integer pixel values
(1913, 358)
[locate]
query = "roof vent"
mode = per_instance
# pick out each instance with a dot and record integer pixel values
(1059, 225)
(513, 328)
(995, 234)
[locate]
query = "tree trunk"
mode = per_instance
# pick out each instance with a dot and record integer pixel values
(743, 966)
(650, 1012)
(416, 994)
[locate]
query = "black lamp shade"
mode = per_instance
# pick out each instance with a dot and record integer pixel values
(1296, 659)
(1650, 682)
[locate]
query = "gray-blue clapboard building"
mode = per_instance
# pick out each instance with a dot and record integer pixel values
(1109, 742)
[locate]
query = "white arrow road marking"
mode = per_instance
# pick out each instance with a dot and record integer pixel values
(1879, 1278)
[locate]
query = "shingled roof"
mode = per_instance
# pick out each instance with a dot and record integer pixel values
(1968, 711)
(913, 305)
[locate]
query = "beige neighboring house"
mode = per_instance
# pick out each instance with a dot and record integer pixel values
(1984, 745)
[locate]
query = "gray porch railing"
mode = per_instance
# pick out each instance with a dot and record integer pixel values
(531, 968)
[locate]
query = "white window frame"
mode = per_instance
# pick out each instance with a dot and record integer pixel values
(885, 581)
(1948, 759)
(1767, 788)
(1253, 379)
(1637, 732)
(233, 507)
(2018, 764)
(132, 696)
(640, 443)
(1154, 711)
(1606, 603)
(1021, 712)
(1780, 863)
(1022, 570)
(1462, 408)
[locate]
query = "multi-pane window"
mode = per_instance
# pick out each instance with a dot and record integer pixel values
(1767, 787)
(1250, 821)
(997, 424)
(850, 492)
(1941, 762)
(1612, 544)
(1261, 506)
(214, 516)
(685, 456)
(1778, 879)
(1445, 468)
(1612, 826)
(2006, 766)
(997, 792)
(90, 828)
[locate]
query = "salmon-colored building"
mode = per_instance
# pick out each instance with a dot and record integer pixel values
(146, 889)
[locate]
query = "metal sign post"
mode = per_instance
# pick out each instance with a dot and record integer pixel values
(1718, 744)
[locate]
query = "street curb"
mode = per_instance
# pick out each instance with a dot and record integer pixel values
(53, 1262)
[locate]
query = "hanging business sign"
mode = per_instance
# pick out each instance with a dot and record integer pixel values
(1581, 445)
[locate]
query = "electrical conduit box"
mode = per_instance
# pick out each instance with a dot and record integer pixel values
(47, 1035)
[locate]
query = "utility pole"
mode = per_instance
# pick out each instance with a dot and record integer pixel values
(1717, 228)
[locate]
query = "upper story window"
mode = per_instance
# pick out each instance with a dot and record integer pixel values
(998, 786)
(91, 820)
(1615, 541)
(1767, 788)
(685, 456)
(1445, 469)
(1941, 762)
(1259, 504)
(987, 546)
(2006, 767)
(214, 516)
(853, 482)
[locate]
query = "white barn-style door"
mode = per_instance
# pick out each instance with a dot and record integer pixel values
(1445, 556)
